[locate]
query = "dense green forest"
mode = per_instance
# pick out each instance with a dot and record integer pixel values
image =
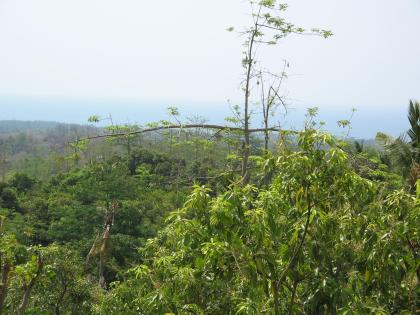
(186, 217)
(166, 224)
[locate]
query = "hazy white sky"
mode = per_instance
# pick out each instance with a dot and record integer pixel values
(179, 50)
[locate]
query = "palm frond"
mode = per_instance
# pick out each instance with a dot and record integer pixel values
(383, 139)
(414, 119)
(398, 149)
(414, 131)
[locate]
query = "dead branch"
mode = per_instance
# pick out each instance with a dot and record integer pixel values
(190, 126)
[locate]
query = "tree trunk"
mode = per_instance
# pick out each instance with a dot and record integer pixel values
(101, 272)
(4, 285)
(29, 287)
(266, 113)
(26, 296)
(246, 144)
(266, 140)
(106, 243)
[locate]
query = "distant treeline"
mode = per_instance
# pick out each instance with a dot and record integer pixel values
(18, 126)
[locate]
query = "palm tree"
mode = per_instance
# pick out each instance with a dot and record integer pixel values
(414, 132)
(404, 151)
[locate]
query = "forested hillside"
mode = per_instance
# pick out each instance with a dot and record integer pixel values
(37, 148)
(182, 216)
(15, 126)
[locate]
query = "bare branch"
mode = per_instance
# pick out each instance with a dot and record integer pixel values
(160, 128)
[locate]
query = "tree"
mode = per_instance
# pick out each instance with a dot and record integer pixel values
(8, 246)
(29, 275)
(404, 153)
(9, 199)
(269, 250)
(414, 131)
(268, 27)
(64, 287)
(270, 97)
(22, 182)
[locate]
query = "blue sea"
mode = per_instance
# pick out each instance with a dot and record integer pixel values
(366, 122)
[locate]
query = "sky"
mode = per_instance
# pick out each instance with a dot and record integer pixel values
(159, 53)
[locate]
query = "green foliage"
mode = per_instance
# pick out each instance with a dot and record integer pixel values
(74, 223)
(414, 131)
(316, 226)
(418, 188)
(60, 286)
(22, 182)
(403, 154)
(314, 241)
(62, 218)
(8, 198)
(94, 119)
(322, 228)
